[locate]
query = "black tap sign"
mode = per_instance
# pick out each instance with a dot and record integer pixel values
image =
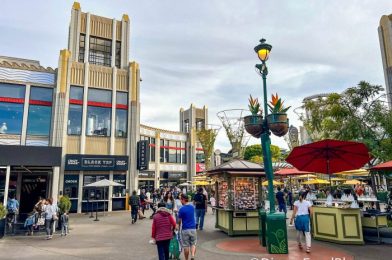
(143, 155)
(78, 162)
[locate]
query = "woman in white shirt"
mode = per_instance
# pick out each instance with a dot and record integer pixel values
(301, 213)
(50, 210)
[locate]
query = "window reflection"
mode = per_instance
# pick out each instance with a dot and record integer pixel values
(11, 117)
(121, 122)
(39, 120)
(75, 119)
(98, 121)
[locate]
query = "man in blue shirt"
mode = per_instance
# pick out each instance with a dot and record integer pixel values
(281, 201)
(186, 219)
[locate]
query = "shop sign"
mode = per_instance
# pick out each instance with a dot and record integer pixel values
(143, 156)
(146, 175)
(200, 167)
(77, 162)
(175, 175)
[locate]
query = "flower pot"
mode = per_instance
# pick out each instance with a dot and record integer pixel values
(278, 124)
(254, 125)
(2, 227)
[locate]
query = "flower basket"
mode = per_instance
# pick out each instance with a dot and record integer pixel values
(254, 125)
(278, 123)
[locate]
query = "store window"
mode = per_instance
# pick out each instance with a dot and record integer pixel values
(121, 114)
(178, 159)
(172, 152)
(75, 112)
(119, 191)
(11, 108)
(40, 111)
(162, 151)
(152, 149)
(183, 153)
(71, 186)
(100, 51)
(82, 47)
(94, 193)
(99, 112)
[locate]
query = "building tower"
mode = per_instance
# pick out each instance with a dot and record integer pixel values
(97, 111)
(385, 36)
(191, 120)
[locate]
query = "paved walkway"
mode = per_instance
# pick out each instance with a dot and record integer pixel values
(114, 237)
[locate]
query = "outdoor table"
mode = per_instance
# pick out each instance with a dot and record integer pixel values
(337, 224)
(375, 220)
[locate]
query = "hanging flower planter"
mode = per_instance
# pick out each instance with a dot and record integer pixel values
(254, 125)
(278, 123)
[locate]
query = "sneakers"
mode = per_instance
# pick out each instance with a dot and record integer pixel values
(133, 221)
(307, 249)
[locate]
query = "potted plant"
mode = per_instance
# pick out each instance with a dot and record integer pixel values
(254, 123)
(64, 204)
(277, 121)
(3, 213)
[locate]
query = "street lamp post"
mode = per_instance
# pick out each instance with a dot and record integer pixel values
(274, 230)
(263, 50)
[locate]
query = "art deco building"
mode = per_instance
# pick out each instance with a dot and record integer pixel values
(385, 35)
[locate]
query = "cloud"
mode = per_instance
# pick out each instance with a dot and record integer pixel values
(201, 52)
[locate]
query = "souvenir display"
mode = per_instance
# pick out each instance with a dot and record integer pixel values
(223, 196)
(245, 197)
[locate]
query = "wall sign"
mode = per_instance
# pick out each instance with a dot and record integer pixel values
(81, 162)
(143, 155)
(147, 175)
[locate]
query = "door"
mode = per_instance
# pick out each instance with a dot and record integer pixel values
(34, 187)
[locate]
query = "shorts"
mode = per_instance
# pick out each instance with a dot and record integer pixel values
(188, 237)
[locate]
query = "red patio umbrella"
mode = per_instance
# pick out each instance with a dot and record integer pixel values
(329, 156)
(383, 166)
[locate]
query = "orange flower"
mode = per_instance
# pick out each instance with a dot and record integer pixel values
(274, 99)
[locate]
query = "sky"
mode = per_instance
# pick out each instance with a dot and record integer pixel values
(201, 52)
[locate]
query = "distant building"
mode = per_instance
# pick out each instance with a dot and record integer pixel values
(385, 36)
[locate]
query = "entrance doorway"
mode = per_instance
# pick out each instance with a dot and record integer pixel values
(33, 188)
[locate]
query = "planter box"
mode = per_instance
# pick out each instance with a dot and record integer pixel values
(254, 125)
(278, 123)
(2, 227)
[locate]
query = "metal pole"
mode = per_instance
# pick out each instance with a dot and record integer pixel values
(266, 145)
(7, 183)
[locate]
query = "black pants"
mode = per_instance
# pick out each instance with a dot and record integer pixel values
(134, 211)
(49, 226)
(163, 249)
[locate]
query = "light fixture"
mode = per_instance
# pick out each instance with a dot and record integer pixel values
(263, 50)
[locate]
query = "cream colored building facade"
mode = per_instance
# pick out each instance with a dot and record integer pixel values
(385, 36)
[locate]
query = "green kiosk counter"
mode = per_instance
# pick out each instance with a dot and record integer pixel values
(337, 224)
(238, 196)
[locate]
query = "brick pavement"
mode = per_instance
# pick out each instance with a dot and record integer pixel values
(113, 237)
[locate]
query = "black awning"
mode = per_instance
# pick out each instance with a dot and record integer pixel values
(30, 155)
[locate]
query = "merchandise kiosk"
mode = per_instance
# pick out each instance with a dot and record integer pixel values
(238, 196)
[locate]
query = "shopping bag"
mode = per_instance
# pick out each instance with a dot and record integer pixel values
(174, 248)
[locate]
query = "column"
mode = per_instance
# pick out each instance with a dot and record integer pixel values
(55, 183)
(80, 192)
(7, 183)
(157, 160)
(25, 115)
(18, 186)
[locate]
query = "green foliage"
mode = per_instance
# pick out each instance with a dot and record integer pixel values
(3, 211)
(358, 114)
(64, 204)
(254, 153)
(207, 139)
(254, 106)
(276, 105)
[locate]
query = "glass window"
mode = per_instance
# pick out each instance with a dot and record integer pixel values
(152, 149)
(98, 121)
(118, 54)
(71, 186)
(41, 94)
(119, 191)
(166, 151)
(12, 91)
(39, 120)
(76, 93)
(100, 52)
(94, 193)
(172, 152)
(121, 122)
(82, 47)
(183, 152)
(11, 118)
(178, 152)
(99, 95)
(122, 98)
(75, 119)
(162, 151)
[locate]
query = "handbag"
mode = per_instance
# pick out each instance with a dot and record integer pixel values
(55, 217)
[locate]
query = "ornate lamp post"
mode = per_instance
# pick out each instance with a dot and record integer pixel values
(275, 233)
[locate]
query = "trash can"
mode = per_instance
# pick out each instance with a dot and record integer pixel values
(262, 219)
(276, 233)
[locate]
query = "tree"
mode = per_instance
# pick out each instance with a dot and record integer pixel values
(358, 114)
(254, 153)
(207, 139)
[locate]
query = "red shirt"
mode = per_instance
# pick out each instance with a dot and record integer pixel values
(163, 225)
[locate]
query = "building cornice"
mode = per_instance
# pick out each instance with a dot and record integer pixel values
(161, 130)
(24, 66)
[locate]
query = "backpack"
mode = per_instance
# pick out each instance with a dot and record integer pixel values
(11, 206)
(134, 201)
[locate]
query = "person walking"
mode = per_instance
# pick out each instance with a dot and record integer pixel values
(134, 202)
(177, 205)
(169, 201)
(200, 202)
(163, 225)
(50, 210)
(64, 224)
(280, 197)
(12, 212)
(186, 220)
(213, 203)
(301, 214)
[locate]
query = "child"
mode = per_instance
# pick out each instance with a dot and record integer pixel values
(29, 223)
(64, 224)
(213, 204)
